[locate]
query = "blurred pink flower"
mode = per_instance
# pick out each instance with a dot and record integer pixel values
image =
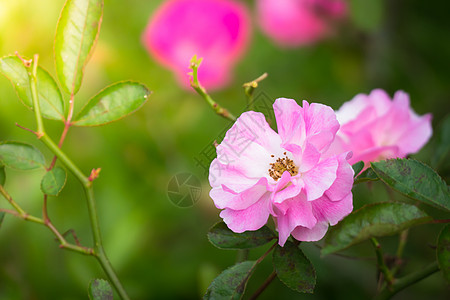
(292, 23)
(374, 128)
(216, 30)
(258, 172)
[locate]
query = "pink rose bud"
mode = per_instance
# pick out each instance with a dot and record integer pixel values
(260, 173)
(292, 23)
(216, 30)
(374, 127)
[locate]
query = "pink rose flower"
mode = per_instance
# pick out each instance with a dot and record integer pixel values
(292, 23)
(216, 30)
(258, 172)
(375, 128)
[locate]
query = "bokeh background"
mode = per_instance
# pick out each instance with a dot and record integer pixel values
(159, 250)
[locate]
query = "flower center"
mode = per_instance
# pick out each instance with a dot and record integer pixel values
(280, 165)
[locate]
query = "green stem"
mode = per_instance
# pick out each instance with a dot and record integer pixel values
(406, 281)
(381, 264)
(195, 84)
(65, 160)
(98, 250)
(20, 213)
(37, 109)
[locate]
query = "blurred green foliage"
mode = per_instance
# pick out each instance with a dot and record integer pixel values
(161, 251)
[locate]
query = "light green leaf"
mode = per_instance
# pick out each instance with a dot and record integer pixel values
(53, 181)
(112, 104)
(222, 237)
(294, 269)
(76, 35)
(21, 156)
(2, 175)
(100, 289)
(231, 283)
(50, 99)
(415, 180)
(357, 168)
(367, 175)
(372, 220)
(443, 252)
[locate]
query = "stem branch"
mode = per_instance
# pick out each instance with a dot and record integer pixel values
(406, 281)
(381, 264)
(195, 84)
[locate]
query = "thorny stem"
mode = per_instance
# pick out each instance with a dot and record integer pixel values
(381, 264)
(195, 84)
(249, 88)
(404, 282)
(98, 250)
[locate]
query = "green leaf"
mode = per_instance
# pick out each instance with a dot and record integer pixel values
(76, 36)
(294, 269)
(100, 289)
(443, 252)
(367, 15)
(367, 175)
(415, 180)
(372, 220)
(112, 104)
(222, 237)
(2, 175)
(358, 167)
(53, 181)
(21, 156)
(231, 283)
(50, 99)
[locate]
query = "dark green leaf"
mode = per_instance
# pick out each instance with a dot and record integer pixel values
(358, 167)
(294, 269)
(372, 220)
(50, 99)
(231, 283)
(367, 175)
(415, 180)
(76, 35)
(367, 15)
(21, 156)
(53, 181)
(100, 289)
(443, 252)
(222, 237)
(113, 103)
(2, 175)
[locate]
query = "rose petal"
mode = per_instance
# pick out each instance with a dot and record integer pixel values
(226, 198)
(252, 218)
(298, 213)
(332, 211)
(321, 125)
(310, 235)
(344, 180)
(320, 179)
